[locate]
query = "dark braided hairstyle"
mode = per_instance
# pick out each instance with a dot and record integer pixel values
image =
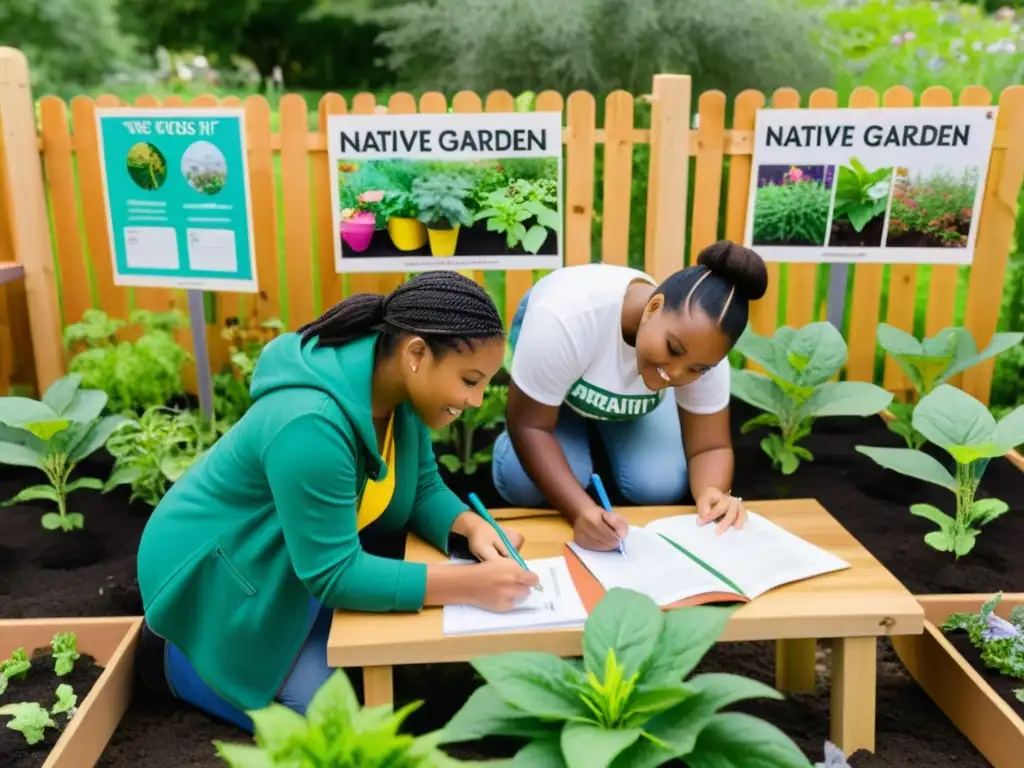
(445, 308)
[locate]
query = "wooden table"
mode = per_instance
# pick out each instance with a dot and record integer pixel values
(852, 608)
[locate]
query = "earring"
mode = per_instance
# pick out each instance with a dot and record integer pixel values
(415, 368)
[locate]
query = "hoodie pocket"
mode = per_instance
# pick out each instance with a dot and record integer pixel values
(244, 584)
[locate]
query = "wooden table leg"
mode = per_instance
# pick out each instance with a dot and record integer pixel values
(854, 677)
(378, 686)
(795, 661)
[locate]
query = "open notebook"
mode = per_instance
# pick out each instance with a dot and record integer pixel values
(556, 605)
(676, 562)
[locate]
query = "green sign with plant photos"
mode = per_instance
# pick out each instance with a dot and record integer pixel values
(869, 185)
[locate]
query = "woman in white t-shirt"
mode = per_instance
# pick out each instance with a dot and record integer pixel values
(647, 363)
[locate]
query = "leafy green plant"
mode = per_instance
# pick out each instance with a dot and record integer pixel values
(963, 427)
(398, 205)
(336, 731)
(934, 361)
(153, 452)
(15, 667)
(796, 387)
(508, 216)
(628, 703)
(32, 720)
(861, 195)
(231, 397)
(441, 201)
(134, 374)
(935, 211)
(53, 435)
(65, 652)
(795, 213)
(1000, 641)
(460, 433)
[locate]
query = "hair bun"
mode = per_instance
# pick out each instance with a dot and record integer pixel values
(739, 265)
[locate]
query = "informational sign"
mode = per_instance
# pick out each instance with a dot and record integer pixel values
(412, 193)
(869, 185)
(179, 211)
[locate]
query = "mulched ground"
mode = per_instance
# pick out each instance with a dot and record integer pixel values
(40, 686)
(92, 573)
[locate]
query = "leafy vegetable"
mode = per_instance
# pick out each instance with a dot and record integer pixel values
(65, 652)
(14, 668)
(509, 215)
(797, 387)
(861, 195)
(335, 732)
(934, 361)
(53, 435)
(67, 701)
(441, 201)
(1001, 642)
(461, 432)
(246, 342)
(627, 704)
(401, 205)
(134, 374)
(964, 428)
(30, 719)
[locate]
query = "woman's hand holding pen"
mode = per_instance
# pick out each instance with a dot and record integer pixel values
(598, 529)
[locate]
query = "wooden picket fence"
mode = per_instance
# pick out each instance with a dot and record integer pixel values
(53, 211)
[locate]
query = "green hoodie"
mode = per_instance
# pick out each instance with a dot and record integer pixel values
(267, 518)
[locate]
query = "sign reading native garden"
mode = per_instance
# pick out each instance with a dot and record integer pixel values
(869, 185)
(418, 192)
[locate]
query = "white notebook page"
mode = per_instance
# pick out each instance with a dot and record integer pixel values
(555, 606)
(650, 566)
(757, 558)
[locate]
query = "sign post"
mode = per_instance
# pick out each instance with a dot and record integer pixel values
(179, 210)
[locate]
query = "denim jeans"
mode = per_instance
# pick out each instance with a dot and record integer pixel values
(646, 454)
(309, 672)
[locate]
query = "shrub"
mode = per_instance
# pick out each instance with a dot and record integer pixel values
(791, 214)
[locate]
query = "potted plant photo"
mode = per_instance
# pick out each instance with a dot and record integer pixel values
(442, 208)
(407, 232)
(358, 223)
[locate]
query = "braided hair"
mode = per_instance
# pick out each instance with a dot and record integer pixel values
(444, 308)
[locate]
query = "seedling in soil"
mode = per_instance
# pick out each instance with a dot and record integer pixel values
(934, 361)
(65, 652)
(629, 701)
(32, 720)
(53, 435)
(335, 731)
(963, 427)
(1001, 642)
(796, 387)
(14, 668)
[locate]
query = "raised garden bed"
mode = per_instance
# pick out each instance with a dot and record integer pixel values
(101, 678)
(977, 699)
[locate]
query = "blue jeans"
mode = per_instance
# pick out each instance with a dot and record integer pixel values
(646, 454)
(309, 672)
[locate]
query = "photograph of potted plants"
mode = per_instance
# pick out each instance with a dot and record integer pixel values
(401, 207)
(861, 200)
(932, 207)
(791, 204)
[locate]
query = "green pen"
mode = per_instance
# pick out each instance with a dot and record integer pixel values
(481, 510)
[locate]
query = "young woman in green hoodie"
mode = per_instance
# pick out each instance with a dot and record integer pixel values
(244, 560)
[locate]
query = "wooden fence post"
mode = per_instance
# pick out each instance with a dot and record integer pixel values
(24, 198)
(669, 175)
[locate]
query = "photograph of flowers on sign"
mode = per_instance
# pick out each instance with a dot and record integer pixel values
(884, 186)
(447, 191)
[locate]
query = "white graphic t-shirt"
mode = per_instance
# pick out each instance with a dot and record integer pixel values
(570, 349)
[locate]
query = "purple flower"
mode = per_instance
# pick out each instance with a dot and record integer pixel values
(999, 629)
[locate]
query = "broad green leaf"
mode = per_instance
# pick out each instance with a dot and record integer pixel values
(22, 411)
(735, 740)
(333, 698)
(646, 701)
(628, 623)
(847, 398)
(788, 462)
(912, 463)
(940, 540)
(20, 456)
(33, 493)
(964, 542)
(97, 436)
(949, 417)
(73, 521)
(986, 510)
(1000, 343)
(934, 514)
(897, 342)
(275, 725)
(537, 683)
(820, 351)
(757, 390)
(764, 351)
(45, 430)
(87, 406)
(51, 521)
(586, 745)
(91, 483)
(243, 755)
(485, 713)
(1009, 432)
(539, 754)
(687, 635)
(723, 689)
(173, 467)
(62, 392)
(535, 238)
(122, 476)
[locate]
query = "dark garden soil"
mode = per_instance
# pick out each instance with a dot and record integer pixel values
(1001, 684)
(40, 686)
(472, 241)
(845, 236)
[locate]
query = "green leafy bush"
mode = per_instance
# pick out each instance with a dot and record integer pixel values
(861, 195)
(933, 211)
(231, 396)
(1000, 641)
(629, 701)
(797, 388)
(934, 361)
(963, 427)
(54, 435)
(441, 201)
(134, 374)
(795, 213)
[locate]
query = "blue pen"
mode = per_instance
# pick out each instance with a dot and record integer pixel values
(606, 503)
